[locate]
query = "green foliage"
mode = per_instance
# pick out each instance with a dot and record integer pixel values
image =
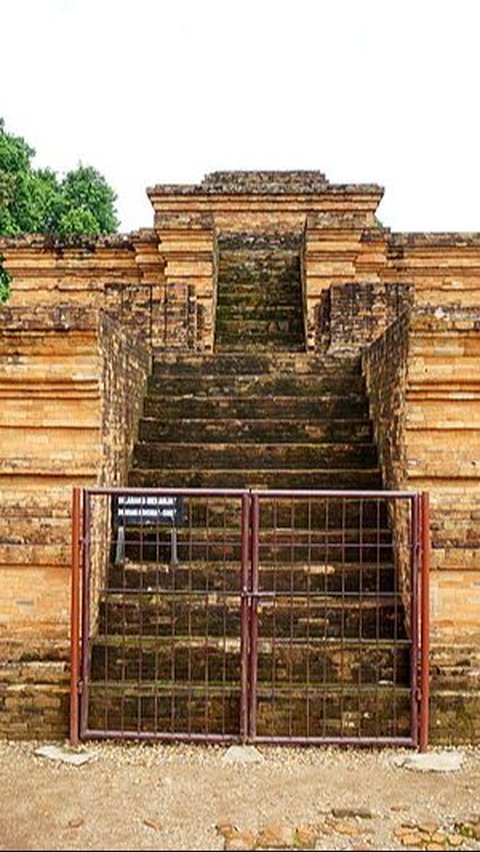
(89, 203)
(38, 201)
(4, 282)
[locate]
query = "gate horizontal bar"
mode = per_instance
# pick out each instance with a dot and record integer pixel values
(187, 492)
(163, 736)
(387, 742)
(261, 493)
(374, 495)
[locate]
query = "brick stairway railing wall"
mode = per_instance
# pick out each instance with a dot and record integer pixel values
(126, 365)
(385, 366)
(339, 247)
(352, 315)
(425, 404)
(443, 453)
(187, 243)
(71, 382)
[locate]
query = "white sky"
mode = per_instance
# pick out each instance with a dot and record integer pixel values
(163, 91)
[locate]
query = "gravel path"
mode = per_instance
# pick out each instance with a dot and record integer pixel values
(192, 797)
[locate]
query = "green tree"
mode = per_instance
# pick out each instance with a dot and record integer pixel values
(89, 203)
(38, 201)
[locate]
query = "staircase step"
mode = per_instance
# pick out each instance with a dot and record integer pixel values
(257, 431)
(326, 711)
(249, 298)
(254, 385)
(257, 265)
(257, 407)
(196, 660)
(270, 341)
(208, 576)
(272, 479)
(317, 514)
(224, 545)
(277, 344)
(236, 455)
(233, 364)
(247, 311)
(255, 275)
(215, 614)
(282, 323)
(338, 712)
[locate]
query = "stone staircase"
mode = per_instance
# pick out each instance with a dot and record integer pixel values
(333, 658)
(269, 420)
(259, 293)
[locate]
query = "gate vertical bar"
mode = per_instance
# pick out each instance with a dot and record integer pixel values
(85, 611)
(254, 544)
(414, 541)
(425, 623)
(75, 617)
(245, 615)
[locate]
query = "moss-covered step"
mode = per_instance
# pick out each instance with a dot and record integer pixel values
(321, 407)
(196, 660)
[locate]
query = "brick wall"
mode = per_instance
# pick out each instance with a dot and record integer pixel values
(351, 315)
(385, 365)
(443, 457)
(125, 366)
(425, 402)
(71, 387)
(385, 368)
(160, 283)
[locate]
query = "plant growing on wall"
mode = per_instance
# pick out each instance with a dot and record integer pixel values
(4, 281)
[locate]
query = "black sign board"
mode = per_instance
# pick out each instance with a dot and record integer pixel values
(147, 509)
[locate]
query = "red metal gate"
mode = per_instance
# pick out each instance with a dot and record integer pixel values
(250, 616)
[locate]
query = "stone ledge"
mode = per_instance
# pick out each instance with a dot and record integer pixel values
(59, 318)
(53, 242)
(446, 239)
(255, 183)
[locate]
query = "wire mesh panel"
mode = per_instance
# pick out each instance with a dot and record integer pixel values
(333, 618)
(260, 616)
(163, 654)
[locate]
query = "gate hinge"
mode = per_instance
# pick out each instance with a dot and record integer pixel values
(80, 687)
(418, 695)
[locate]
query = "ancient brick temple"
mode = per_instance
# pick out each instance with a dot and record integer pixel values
(277, 280)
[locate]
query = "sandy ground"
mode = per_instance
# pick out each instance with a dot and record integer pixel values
(191, 797)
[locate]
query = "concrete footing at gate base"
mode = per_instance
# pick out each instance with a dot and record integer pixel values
(76, 343)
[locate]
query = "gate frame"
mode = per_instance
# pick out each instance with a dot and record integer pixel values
(249, 529)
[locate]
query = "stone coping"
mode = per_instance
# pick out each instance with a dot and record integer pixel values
(89, 242)
(58, 318)
(264, 189)
(435, 238)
